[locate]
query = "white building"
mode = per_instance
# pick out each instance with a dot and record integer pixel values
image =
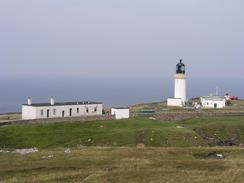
(213, 102)
(59, 110)
(180, 87)
(120, 112)
(174, 102)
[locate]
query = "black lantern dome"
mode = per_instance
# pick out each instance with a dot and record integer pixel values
(180, 68)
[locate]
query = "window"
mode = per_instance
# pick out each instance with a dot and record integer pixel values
(54, 112)
(87, 110)
(95, 109)
(42, 112)
(77, 110)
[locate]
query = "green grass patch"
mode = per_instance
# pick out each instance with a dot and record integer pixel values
(127, 132)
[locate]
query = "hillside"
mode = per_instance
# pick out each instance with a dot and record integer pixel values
(207, 131)
(137, 150)
(124, 165)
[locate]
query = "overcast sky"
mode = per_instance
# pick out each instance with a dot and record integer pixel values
(121, 38)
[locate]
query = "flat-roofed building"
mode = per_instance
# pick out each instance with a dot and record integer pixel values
(213, 102)
(121, 112)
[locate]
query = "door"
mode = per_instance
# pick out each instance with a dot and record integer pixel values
(48, 113)
(62, 113)
(70, 112)
(215, 106)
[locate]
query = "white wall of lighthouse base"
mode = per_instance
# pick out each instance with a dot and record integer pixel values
(180, 89)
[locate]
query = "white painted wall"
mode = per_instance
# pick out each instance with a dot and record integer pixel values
(120, 113)
(174, 102)
(210, 104)
(28, 112)
(180, 87)
(179, 92)
(40, 112)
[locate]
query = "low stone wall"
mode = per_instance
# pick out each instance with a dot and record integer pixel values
(59, 120)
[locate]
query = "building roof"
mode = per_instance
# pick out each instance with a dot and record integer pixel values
(213, 98)
(120, 108)
(175, 98)
(62, 103)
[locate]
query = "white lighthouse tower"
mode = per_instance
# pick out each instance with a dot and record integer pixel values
(180, 87)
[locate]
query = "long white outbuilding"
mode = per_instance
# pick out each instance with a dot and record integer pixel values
(60, 109)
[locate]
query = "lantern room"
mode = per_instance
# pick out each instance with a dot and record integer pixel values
(180, 68)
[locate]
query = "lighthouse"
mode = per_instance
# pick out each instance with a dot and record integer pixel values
(180, 86)
(180, 82)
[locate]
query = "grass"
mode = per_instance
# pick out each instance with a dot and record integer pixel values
(104, 151)
(102, 133)
(127, 164)
(224, 128)
(127, 132)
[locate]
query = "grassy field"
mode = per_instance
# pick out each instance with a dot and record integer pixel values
(129, 132)
(105, 165)
(108, 151)
(102, 133)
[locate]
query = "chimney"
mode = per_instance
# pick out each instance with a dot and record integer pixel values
(29, 102)
(52, 101)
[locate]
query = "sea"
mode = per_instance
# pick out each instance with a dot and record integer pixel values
(112, 92)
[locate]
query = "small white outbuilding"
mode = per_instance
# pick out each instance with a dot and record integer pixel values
(175, 102)
(121, 112)
(213, 102)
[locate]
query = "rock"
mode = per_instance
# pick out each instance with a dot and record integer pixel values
(180, 127)
(215, 155)
(4, 151)
(220, 156)
(67, 151)
(26, 151)
(47, 157)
